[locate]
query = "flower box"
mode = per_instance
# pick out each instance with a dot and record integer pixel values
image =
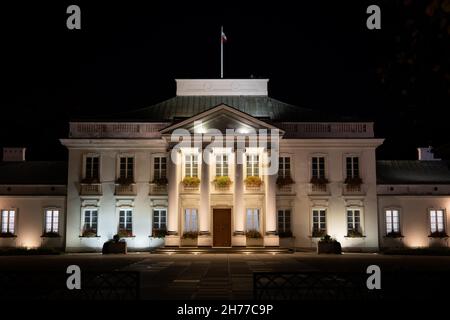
(253, 182)
(191, 182)
(51, 235)
(125, 233)
(159, 233)
(89, 233)
(284, 181)
(222, 182)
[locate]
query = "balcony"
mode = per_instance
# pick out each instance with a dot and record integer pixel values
(157, 189)
(91, 189)
(125, 189)
(350, 189)
(287, 189)
(319, 189)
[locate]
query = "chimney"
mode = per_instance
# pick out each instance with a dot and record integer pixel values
(426, 154)
(14, 154)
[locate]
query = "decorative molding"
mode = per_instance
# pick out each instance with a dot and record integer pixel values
(222, 87)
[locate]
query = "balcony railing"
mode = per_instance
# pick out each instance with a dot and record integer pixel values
(285, 189)
(87, 189)
(319, 188)
(353, 189)
(158, 189)
(125, 189)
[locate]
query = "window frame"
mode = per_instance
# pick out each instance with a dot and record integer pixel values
(83, 215)
(385, 219)
(311, 167)
(222, 164)
(252, 165)
(126, 210)
(319, 210)
(255, 212)
(358, 171)
(8, 224)
(133, 168)
(85, 166)
(188, 224)
(282, 166)
(159, 210)
(354, 222)
(283, 211)
(444, 219)
(52, 209)
(158, 167)
(191, 165)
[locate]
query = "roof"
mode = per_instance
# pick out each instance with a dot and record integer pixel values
(413, 172)
(183, 107)
(33, 172)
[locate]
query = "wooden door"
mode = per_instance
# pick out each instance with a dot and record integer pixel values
(222, 227)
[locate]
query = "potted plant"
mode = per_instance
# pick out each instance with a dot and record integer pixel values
(353, 181)
(254, 238)
(328, 245)
(284, 181)
(222, 182)
(318, 233)
(115, 246)
(89, 233)
(189, 238)
(253, 181)
(125, 233)
(51, 234)
(354, 233)
(160, 181)
(159, 233)
(191, 182)
(125, 181)
(319, 181)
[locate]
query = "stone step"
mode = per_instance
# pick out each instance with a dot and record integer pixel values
(201, 250)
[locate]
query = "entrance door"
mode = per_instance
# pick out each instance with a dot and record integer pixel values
(222, 227)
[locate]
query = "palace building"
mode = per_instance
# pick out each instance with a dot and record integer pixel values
(131, 174)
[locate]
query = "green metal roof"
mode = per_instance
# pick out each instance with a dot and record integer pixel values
(413, 172)
(181, 107)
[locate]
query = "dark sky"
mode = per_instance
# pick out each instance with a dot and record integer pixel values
(317, 54)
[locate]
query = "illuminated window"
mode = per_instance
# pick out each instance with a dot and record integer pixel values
(90, 220)
(392, 221)
(160, 167)
(284, 167)
(252, 223)
(51, 220)
(437, 220)
(252, 165)
(190, 220)
(284, 220)
(354, 220)
(222, 165)
(191, 166)
(159, 218)
(126, 168)
(318, 167)
(126, 220)
(92, 167)
(319, 220)
(8, 221)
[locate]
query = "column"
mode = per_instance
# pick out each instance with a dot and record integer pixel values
(173, 237)
(204, 238)
(239, 214)
(270, 237)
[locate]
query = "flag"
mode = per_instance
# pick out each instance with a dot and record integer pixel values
(223, 38)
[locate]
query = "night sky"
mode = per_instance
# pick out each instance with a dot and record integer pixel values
(317, 54)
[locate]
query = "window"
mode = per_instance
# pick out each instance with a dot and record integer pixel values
(352, 167)
(191, 166)
(318, 167)
(252, 165)
(126, 220)
(222, 165)
(284, 167)
(90, 220)
(92, 168)
(392, 221)
(159, 167)
(126, 167)
(437, 220)
(159, 218)
(354, 220)
(51, 220)
(190, 220)
(284, 220)
(8, 221)
(319, 221)
(252, 220)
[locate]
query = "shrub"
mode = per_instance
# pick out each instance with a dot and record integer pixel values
(255, 234)
(190, 235)
(328, 239)
(319, 233)
(253, 181)
(222, 181)
(284, 181)
(192, 182)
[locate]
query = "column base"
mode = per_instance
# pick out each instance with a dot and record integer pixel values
(271, 240)
(172, 241)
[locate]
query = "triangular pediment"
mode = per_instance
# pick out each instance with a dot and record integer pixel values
(221, 117)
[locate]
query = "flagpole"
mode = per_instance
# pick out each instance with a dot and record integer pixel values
(221, 52)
